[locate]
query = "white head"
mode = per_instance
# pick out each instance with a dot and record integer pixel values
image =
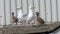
(30, 7)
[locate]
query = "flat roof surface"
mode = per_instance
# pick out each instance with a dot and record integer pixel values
(29, 29)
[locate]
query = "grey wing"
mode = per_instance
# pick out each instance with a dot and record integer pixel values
(24, 15)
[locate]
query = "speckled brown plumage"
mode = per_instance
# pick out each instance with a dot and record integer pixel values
(39, 19)
(15, 19)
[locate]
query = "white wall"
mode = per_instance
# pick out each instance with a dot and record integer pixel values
(6, 7)
(7, 10)
(11, 7)
(2, 11)
(44, 7)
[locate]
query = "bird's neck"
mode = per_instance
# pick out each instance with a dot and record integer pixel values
(38, 16)
(12, 15)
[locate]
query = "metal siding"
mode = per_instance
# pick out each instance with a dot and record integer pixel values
(48, 12)
(24, 6)
(2, 12)
(36, 5)
(42, 9)
(13, 7)
(7, 10)
(49, 9)
(54, 17)
(58, 1)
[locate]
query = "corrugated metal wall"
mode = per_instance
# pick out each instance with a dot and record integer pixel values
(49, 9)
(6, 7)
